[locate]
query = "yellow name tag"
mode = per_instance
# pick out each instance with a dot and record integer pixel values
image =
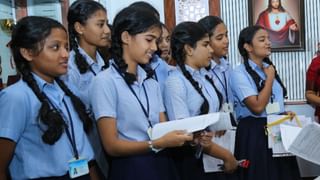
(273, 108)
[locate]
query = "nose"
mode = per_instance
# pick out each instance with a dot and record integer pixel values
(65, 53)
(268, 42)
(210, 50)
(226, 40)
(154, 46)
(106, 29)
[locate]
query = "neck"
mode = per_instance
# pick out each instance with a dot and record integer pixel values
(89, 49)
(216, 59)
(132, 65)
(191, 63)
(258, 61)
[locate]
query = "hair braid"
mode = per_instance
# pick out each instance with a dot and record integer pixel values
(78, 105)
(204, 109)
(268, 61)
(80, 60)
(220, 97)
(48, 116)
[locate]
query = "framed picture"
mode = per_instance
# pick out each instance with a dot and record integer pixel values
(177, 11)
(283, 19)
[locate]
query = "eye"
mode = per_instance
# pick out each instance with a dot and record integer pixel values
(55, 47)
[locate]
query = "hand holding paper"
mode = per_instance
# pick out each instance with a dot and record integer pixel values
(215, 122)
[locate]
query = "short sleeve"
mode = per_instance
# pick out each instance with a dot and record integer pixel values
(160, 100)
(13, 114)
(175, 98)
(313, 74)
(103, 97)
(241, 85)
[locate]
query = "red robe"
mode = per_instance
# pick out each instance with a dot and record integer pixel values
(280, 37)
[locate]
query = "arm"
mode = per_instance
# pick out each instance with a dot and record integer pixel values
(6, 152)
(118, 147)
(312, 97)
(214, 150)
(163, 117)
(258, 103)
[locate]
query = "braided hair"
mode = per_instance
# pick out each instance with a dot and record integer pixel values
(188, 33)
(80, 11)
(134, 21)
(245, 37)
(30, 33)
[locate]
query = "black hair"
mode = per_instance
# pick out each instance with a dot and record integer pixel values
(269, 9)
(246, 36)
(158, 52)
(210, 23)
(80, 11)
(142, 5)
(188, 33)
(30, 33)
(134, 22)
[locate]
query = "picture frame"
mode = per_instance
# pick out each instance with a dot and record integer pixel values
(170, 11)
(285, 23)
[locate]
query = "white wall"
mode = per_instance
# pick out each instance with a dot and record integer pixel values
(114, 6)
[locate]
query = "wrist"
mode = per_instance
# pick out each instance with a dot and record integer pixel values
(153, 147)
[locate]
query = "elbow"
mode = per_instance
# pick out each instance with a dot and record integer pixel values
(112, 151)
(258, 110)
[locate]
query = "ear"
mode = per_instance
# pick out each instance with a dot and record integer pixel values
(125, 37)
(78, 27)
(188, 49)
(248, 47)
(27, 54)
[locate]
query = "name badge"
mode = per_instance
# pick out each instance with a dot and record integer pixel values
(227, 107)
(273, 108)
(78, 167)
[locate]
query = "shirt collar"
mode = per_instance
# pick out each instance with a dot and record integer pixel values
(89, 60)
(52, 90)
(254, 66)
(223, 66)
(141, 73)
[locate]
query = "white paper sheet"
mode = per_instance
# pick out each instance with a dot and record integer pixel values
(274, 136)
(227, 141)
(306, 144)
(215, 121)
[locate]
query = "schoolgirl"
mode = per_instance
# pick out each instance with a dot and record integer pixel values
(258, 91)
(43, 124)
(219, 66)
(88, 31)
(189, 91)
(127, 102)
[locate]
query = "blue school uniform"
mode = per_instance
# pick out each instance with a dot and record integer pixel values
(182, 101)
(112, 97)
(161, 70)
(19, 122)
(221, 75)
(251, 140)
(82, 82)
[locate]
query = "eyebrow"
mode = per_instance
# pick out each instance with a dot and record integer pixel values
(151, 35)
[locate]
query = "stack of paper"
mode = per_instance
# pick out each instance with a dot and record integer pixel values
(213, 121)
(275, 142)
(302, 142)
